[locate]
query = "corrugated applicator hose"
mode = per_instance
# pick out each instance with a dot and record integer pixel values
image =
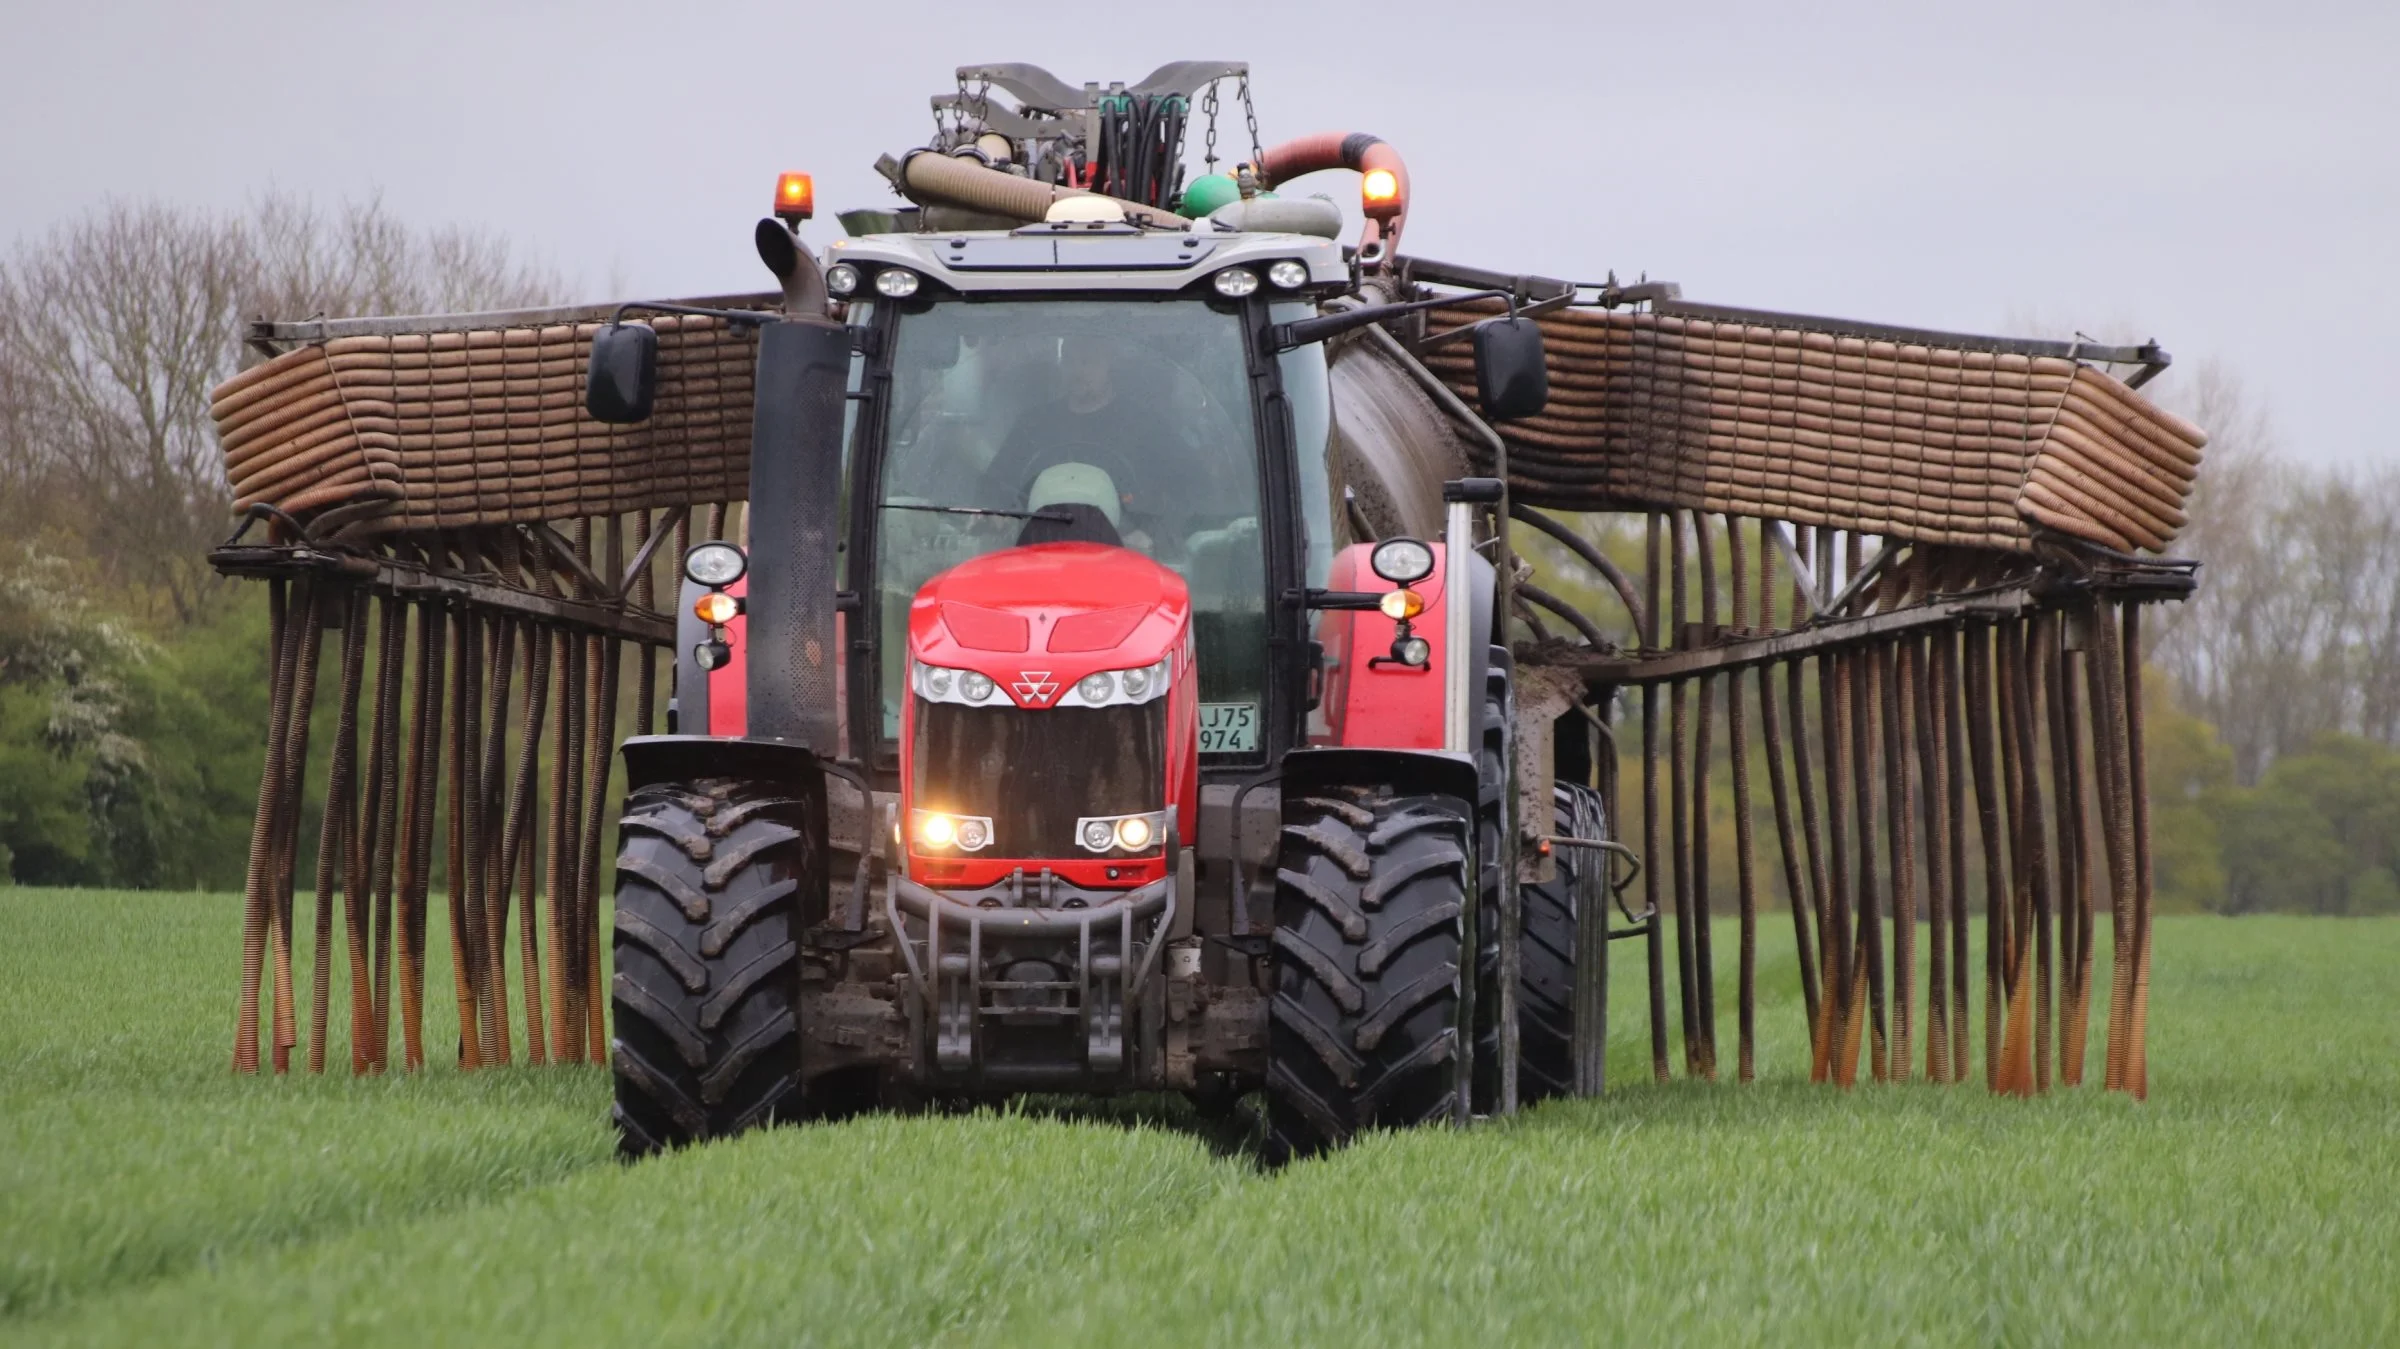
(937, 179)
(254, 881)
(285, 843)
(380, 822)
(1737, 737)
(337, 833)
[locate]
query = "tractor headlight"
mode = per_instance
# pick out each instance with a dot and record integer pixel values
(941, 831)
(1121, 833)
(1403, 562)
(896, 282)
(1110, 688)
(1235, 282)
(841, 280)
(933, 683)
(1289, 274)
(715, 565)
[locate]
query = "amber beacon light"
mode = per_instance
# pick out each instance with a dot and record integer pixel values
(795, 197)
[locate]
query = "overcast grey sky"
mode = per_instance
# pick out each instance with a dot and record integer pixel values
(2223, 177)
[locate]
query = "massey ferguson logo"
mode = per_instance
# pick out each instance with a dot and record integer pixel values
(1034, 686)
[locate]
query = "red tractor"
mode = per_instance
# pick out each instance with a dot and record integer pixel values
(1104, 698)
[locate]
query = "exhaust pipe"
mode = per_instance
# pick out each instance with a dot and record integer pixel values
(795, 527)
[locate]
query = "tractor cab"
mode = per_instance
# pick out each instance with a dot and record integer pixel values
(1121, 377)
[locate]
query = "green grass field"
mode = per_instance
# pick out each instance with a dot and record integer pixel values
(146, 1196)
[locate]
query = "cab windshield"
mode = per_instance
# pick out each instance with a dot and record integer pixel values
(1119, 421)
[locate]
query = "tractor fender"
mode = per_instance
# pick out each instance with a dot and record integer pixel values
(1407, 772)
(654, 759)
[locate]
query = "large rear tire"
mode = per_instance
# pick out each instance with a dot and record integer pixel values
(1546, 963)
(1547, 918)
(1370, 904)
(706, 995)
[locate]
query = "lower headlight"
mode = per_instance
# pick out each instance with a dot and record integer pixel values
(1122, 833)
(940, 831)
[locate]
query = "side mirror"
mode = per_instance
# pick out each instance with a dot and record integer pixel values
(623, 377)
(1512, 375)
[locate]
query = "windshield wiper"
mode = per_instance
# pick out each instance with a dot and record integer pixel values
(1056, 517)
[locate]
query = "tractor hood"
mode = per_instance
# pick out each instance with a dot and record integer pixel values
(1038, 618)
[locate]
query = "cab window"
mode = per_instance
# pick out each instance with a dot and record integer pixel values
(1131, 417)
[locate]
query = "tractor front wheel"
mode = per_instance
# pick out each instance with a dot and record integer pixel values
(708, 918)
(1370, 903)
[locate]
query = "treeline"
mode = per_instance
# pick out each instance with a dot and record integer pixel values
(2275, 758)
(132, 678)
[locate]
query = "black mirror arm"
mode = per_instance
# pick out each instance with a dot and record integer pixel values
(1284, 337)
(1313, 598)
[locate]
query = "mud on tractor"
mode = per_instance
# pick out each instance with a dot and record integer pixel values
(1115, 673)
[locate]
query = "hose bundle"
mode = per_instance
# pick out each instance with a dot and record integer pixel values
(457, 426)
(1946, 444)
(1139, 156)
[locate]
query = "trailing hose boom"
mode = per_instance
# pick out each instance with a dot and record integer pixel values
(1077, 637)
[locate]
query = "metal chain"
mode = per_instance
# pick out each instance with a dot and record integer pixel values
(1250, 114)
(953, 133)
(1208, 109)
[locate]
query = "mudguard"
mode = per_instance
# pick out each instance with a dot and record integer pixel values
(652, 759)
(1408, 772)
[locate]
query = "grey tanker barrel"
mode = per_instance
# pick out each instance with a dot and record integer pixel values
(795, 529)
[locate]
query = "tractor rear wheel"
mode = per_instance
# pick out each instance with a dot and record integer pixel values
(1546, 967)
(1370, 904)
(708, 918)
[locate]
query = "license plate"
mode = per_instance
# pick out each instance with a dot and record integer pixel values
(1228, 728)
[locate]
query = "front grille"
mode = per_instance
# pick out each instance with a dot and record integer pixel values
(1036, 772)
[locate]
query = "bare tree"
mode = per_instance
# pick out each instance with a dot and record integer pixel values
(121, 323)
(2297, 627)
(114, 328)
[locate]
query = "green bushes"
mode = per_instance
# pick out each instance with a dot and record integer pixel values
(125, 760)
